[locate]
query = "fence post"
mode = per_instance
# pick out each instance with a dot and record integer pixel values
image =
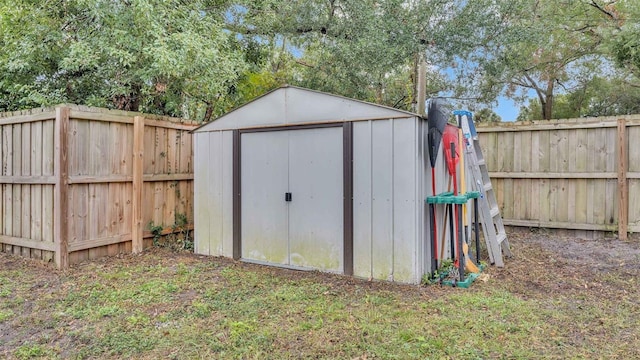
(60, 199)
(137, 241)
(623, 194)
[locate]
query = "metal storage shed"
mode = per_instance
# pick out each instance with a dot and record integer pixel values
(304, 179)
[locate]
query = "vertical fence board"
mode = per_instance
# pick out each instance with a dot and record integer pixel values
(139, 142)
(149, 140)
(25, 200)
(48, 150)
(36, 190)
(544, 166)
(160, 151)
(633, 163)
(17, 189)
(623, 190)
(60, 196)
(172, 155)
(7, 170)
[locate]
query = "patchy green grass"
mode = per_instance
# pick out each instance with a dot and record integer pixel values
(164, 304)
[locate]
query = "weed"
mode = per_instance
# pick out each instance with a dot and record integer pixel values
(28, 351)
(201, 309)
(156, 231)
(179, 238)
(5, 315)
(239, 329)
(108, 311)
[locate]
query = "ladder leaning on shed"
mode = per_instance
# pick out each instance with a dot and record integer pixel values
(492, 226)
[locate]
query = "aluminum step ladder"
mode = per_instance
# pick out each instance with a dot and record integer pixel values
(492, 226)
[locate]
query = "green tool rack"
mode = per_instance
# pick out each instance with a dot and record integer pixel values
(449, 200)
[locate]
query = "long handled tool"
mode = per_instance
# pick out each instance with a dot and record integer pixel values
(436, 120)
(469, 265)
(444, 223)
(450, 139)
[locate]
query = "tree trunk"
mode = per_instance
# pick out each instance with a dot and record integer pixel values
(128, 102)
(547, 105)
(208, 113)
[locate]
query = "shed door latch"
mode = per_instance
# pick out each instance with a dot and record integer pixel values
(287, 196)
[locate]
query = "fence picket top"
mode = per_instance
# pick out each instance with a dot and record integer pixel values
(580, 123)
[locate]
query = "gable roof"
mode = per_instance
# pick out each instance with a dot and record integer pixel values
(290, 105)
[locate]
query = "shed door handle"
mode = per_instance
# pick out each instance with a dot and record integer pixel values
(287, 196)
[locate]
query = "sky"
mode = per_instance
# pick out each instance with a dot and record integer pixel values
(507, 109)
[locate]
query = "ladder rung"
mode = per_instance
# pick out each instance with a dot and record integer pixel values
(481, 162)
(501, 237)
(495, 211)
(487, 187)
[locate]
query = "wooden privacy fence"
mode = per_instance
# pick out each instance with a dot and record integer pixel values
(80, 183)
(579, 174)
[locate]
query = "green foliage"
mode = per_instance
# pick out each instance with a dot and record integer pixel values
(199, 59)
(599, 97)
(156, 231)
(164, 57)
(623, 35)
(486, 115)
(180, 237)
(28, 351)
(547, 49)
(367, 49)
(5, 315)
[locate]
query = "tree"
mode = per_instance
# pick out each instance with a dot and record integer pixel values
(167, 57)
(486, 115)
(603, 96)
(623, 34)
(548, 45)
(367, 49)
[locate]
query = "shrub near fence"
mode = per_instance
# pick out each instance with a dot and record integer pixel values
(578, 174)
(80, 183)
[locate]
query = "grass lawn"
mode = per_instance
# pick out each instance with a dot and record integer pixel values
(558, 298)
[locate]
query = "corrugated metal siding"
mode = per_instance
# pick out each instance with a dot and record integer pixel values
(405, 200)
(227, 193)
(213, 204)
(201, 175)
(388, 172)
(362, 199)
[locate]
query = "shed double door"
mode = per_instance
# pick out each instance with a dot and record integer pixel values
(292, 189)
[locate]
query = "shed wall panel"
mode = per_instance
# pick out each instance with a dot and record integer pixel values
(214, 194)
(202, 167)
(227, 193)
(362, 199)
(404, 201)
(382, 199)
(389, 176)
